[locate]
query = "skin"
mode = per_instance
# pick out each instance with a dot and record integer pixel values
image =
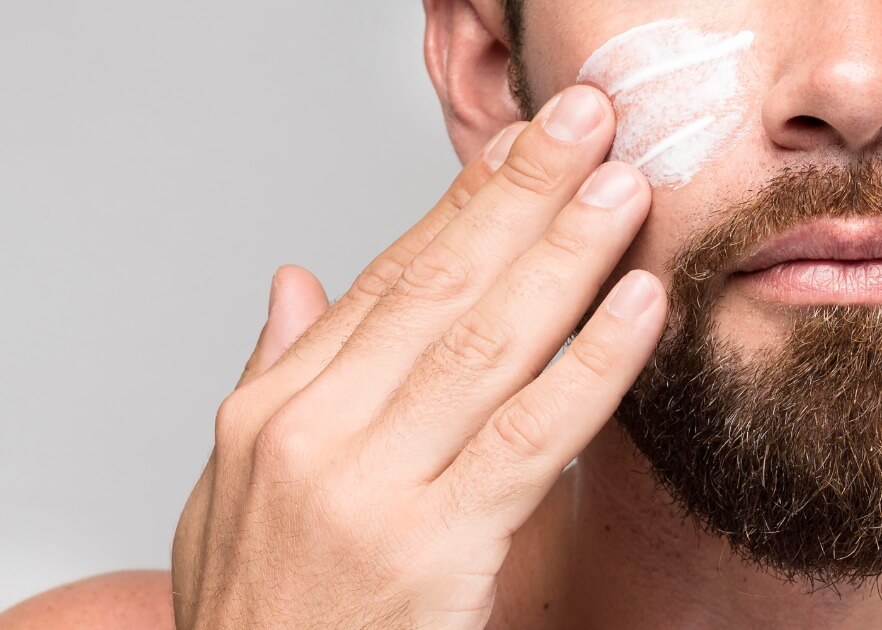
(474, 486)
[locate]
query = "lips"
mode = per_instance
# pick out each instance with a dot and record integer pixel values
(821, 240)
(826, 261)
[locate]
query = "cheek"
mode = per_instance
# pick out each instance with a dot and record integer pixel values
(677, 93)
(662, 235)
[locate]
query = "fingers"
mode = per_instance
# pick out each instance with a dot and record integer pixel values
(325, 339)
(547, 164)
(514, 330)
(502, 475)
(244, 413)
(321, 342)
(297, 299)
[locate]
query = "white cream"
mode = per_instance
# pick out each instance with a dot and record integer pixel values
(677, 93)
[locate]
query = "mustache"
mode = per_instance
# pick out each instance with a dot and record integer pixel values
(794, 196)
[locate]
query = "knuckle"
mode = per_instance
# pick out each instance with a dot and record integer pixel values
(474, 341)
(280, 446)
(458, 196)
(522, 429)
(438, 273)
(229, 420)
(528, 173)
(594, 361)
(376, 279)
(568, 244)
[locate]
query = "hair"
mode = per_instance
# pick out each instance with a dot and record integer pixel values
(777, 450)
(514, 21)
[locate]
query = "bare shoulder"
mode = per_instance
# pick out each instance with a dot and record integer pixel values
(138, 600)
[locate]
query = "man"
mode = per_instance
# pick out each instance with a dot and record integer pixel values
(405, 463)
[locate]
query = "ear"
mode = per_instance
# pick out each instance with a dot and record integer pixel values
(467, 56)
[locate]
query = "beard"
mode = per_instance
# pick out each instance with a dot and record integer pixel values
(779, 451)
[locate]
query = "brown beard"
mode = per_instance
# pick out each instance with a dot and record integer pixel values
(781, 455)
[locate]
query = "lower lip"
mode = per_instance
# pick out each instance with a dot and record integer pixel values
(816, 282)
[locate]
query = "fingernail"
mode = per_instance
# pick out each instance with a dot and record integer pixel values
(575, 115)
(632, 296)
(611, 185)
(498, 152)
(273, 291)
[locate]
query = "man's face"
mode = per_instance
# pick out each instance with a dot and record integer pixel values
(762, 411)
(812, 82)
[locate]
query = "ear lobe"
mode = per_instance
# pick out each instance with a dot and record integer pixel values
(467, 59)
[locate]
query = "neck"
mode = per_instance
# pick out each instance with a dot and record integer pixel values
(634, 562)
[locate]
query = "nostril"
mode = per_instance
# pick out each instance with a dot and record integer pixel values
(805, 132)
(805, 123)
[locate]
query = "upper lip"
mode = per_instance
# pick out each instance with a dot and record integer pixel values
(820, 239)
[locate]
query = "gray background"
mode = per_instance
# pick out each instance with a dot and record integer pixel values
(158, 161)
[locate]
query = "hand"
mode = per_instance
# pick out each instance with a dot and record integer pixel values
(374, 476)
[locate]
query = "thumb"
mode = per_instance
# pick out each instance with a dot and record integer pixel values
(297, 299)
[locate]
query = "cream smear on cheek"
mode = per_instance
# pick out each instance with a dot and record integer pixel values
(677, 94)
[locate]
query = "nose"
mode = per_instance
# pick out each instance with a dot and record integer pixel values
(830, 92)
